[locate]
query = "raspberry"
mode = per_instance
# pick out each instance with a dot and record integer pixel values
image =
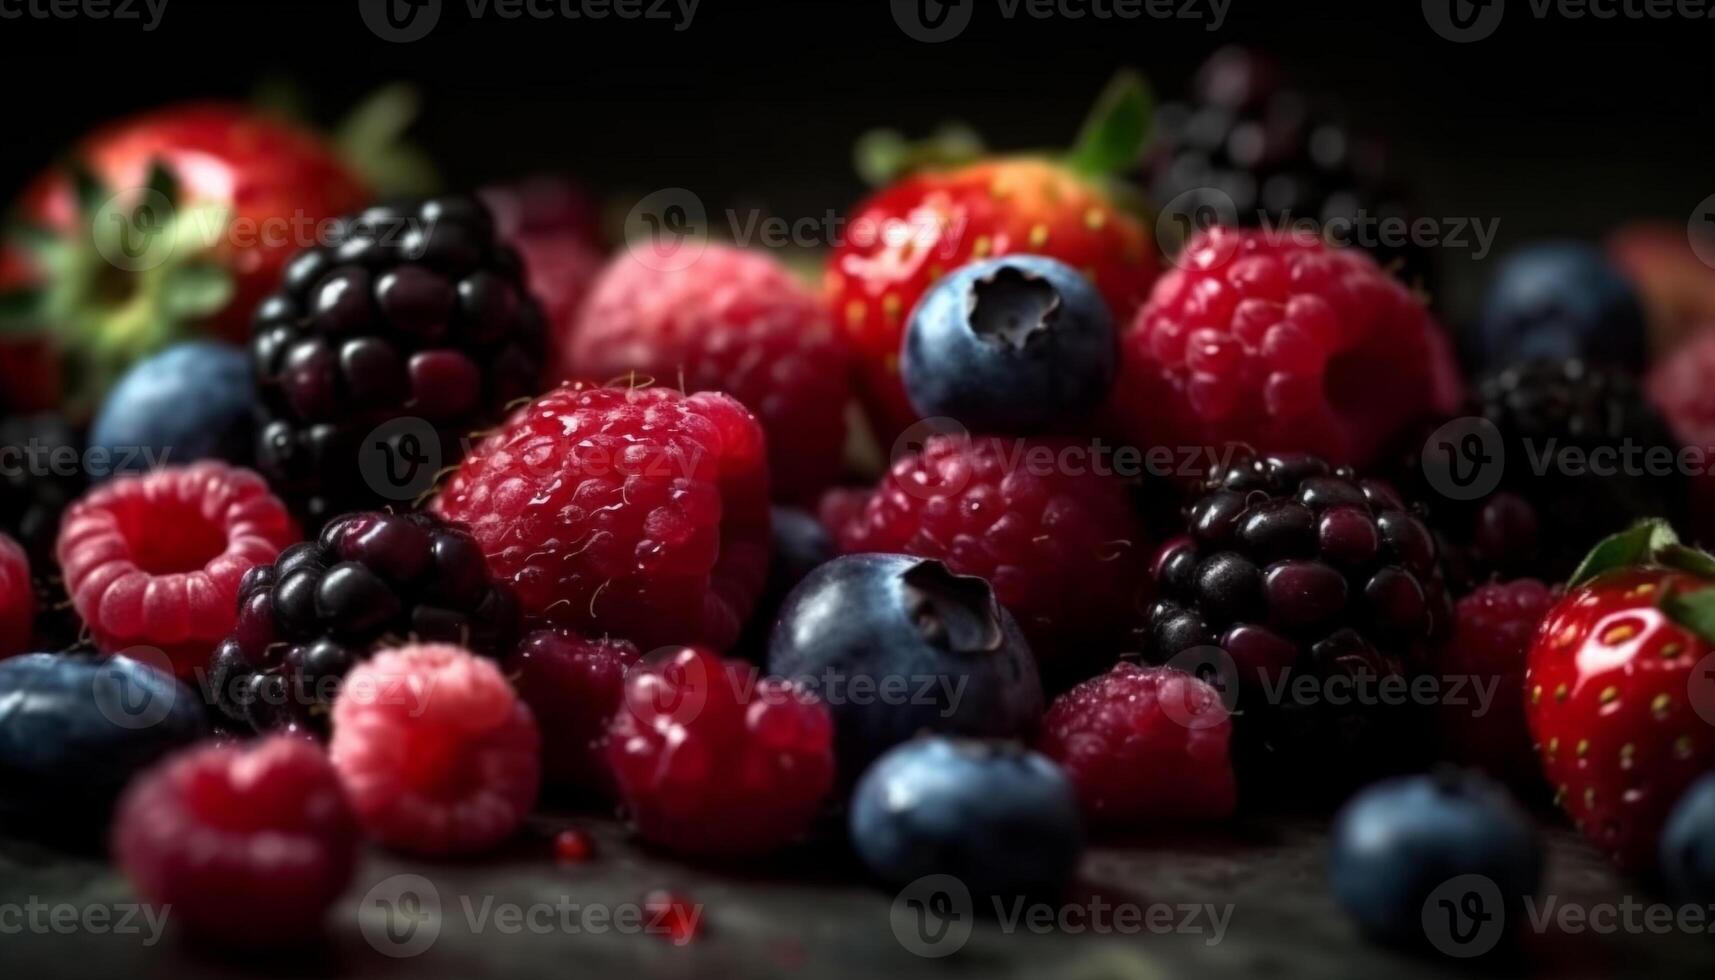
(1678, 387)
(247, 844)
(573, 686)
(1059, 543)
(156, 560)
(733, 321)
(639, 513)
(437, 755)
(1492, 632)
(370, 581)
(1280, 342)
(414, 312)
(1323, 591)
(553, 226)
(1143, 743)
(17, 599)
(710, 760)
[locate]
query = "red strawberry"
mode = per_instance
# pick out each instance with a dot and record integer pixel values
(270, 182)
(904, 238)
(1619, 690)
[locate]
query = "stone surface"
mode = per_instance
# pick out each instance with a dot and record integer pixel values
(809, 914)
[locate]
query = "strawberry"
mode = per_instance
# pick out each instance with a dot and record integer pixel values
(168, 223)
(913, 231)
(1619, 694)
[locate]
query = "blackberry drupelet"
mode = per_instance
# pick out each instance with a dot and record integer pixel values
(1280, 158)
(1325, 592)
(370, 580)
(1583, 455)
(411, 312)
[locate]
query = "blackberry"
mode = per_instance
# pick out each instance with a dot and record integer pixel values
(1280, 157)
(1583, 455)
(1325, 593)
(370, 580)
(41, 473)
(411, 312)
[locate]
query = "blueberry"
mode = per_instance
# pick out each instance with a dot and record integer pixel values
(1560, 300)
(1001, 819)
(799, 544)
(191, 401)
(1014, 344)
(75, 729)
(897, 645)
(1400, 841)
(1688, 845)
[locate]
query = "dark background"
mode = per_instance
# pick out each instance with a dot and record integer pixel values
(1553, 127)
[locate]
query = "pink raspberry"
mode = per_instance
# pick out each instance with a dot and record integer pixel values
(573, 686)
(735, 321)
(437, 754)
(1678, 387)
(640, 513)
(249, 844)
(1143, 744)
(17, 599)
(553, 225)
(1283, 343)
(1061, 544)
(1486, 654)
(711, 760)
(155, 560)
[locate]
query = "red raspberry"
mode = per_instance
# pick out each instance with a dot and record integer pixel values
(247, 844)
(553, 225)
(17, 599)
(1679, 388)
(437, 754)
(1283, 343)
(155, 560)
(573, 686)
(1142, 744)
(733, 321)
(640, 513)
(1492, 632)
(711, 760)
(1057, 538)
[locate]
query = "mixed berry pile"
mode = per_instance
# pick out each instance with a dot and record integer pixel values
(399, 533)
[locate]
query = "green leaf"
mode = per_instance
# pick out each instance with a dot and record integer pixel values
(1641, 543)
(1693, 610)
(1688, 559)
(882, 156)
(1116, 130)
(372, 140)
(195, 289)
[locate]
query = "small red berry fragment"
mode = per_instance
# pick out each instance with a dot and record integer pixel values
(737, 321)
(245, 844)
(672, 916)
(573, 846)
(640, 513)
(1143, 744)
(437, 754)
(1283, 343)
(1492, 632)
(155, 560)
(709, 759)
(17, 599)
(573, 686)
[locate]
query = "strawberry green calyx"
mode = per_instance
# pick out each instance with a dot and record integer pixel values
(136, 271)
(1654, 543)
